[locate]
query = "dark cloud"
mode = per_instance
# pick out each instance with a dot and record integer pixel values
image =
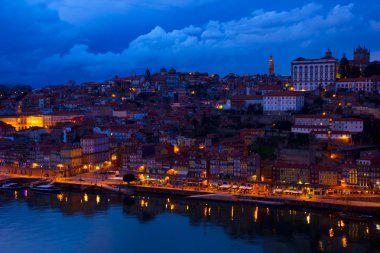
(29, 34)
(58, 40)
(215, 46)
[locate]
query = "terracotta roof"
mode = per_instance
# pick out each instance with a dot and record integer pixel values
(95, 136)
(309, 126)
(323, 58)
(311, 117)
(245, 97)
(284, 93)
(357, 79)
(334, 132)
(347, 119)
(328, 58)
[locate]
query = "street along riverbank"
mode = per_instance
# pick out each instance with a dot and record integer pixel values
(333, 204)
(328, 203)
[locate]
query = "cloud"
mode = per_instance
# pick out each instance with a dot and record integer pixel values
(214, 46)
(375, 25)
(259, 27)
(77, 11)
(52, 41)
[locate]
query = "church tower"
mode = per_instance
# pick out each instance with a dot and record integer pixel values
(271, 66)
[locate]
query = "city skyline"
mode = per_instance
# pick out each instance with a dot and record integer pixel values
(51, 42)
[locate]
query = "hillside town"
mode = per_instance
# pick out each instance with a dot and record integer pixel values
(316, 129)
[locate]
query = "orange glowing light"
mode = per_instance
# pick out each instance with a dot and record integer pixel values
(176, 149)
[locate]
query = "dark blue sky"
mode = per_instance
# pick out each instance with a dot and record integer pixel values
(53, 41)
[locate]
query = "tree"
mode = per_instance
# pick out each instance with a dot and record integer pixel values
(255, 109)
(354, 72)
(372, 69)
(194, 123)
(147, 75)
(283, 125)
(128, 178)
(344, 67)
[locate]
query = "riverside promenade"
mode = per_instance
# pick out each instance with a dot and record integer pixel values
(334, 203)
(365, 204)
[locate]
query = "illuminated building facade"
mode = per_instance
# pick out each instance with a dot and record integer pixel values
(22, 122)
(71, 159)
(309, 74)
(95, 149)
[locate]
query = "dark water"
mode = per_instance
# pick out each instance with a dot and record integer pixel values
(77, 222)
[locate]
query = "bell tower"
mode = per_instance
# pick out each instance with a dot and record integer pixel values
(270, 66)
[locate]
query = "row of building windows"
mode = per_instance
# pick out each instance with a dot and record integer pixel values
(316, 76)
(275, 102)
(316, 67)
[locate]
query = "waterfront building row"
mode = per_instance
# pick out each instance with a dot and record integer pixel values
(363, 173)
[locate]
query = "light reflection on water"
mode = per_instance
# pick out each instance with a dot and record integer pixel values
(86, 222)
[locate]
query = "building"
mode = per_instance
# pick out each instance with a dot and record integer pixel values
(94, 143)
(271, 66)
(173, 80)
(71, 160)
(290, 173)
(373, 110)
(263, 88)
(310, 74)
(240, 102)
(351, 125)
(340, 136)
(361, 58)
(95, 149)
(282, 102)
(324, 176)
(306, 124)
(359, 84)
(364, 172)
(248, 135)
(6, 129)
(22, 122)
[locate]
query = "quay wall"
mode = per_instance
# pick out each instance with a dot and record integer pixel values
(360, 206)
(306, 204)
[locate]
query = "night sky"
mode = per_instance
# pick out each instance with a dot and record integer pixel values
(52, 41)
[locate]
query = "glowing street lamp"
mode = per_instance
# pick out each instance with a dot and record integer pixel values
(141, 168)
(176, 149)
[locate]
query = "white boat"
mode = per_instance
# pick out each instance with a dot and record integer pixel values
(47, 188)
(11, 186)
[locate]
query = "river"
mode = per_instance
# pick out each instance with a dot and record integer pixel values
(84, 222)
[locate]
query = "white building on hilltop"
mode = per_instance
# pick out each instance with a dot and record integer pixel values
(364, 84)
(311, 123)
(283, 101)
(308, 74)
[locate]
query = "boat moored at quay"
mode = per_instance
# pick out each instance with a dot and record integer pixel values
(46, 188)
